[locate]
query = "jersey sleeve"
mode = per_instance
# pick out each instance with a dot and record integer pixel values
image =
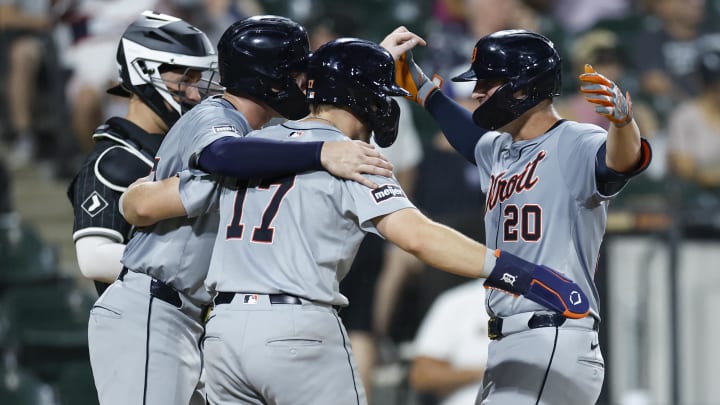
(367, 203)
(217, 124)
(577, 159)
(199, 192)
(95, 208)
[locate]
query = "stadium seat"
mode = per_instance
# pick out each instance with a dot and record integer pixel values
(18, 387)
(24, 257)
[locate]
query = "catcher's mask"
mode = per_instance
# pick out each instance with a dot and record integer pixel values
(168, 63)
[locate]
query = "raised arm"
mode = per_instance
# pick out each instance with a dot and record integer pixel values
(624, 146)
(252, 157)
(454, 120)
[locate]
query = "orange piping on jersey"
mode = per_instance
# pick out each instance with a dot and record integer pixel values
(567, 312)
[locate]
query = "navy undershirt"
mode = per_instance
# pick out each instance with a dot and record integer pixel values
(246, 158)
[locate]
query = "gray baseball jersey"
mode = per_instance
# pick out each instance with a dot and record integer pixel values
(144, 348)
(295, 236)
(543, 205)
(306, 228)
(177, 251)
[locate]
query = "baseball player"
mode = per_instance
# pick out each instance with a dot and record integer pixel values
(144, 331)
(125, 147)
(284, 244)
(548, 183)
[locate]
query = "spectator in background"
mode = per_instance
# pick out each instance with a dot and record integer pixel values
(577, 16)
(665, 52)
(91, 58)
(602, 49)
(213, 16)
(451, 347)
(694, 127)
(446, 189)
(33, 72)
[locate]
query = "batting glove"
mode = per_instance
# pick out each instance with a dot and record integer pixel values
(409, 76)
(609, 98)
(538, 283)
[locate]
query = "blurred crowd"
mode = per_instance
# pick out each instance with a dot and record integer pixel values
(57, 58)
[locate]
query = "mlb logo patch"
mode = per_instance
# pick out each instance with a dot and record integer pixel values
(225, 128)
(295, 134)
(250, 299)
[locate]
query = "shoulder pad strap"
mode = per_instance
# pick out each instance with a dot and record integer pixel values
(119, 166)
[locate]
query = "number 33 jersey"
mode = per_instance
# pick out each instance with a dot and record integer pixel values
(543, 204)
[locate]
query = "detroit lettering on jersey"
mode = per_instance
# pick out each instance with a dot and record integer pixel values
(386, 192)
(502, 188)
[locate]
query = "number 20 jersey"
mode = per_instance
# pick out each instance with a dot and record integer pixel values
(543, 204)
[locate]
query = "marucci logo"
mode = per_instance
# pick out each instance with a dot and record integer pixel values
(386, 192)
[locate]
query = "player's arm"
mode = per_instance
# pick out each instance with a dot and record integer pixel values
(99, 257)
(248, 157)
(446, 249)
(441, 377)
(454, 120)
(147, 202)
(625, 151)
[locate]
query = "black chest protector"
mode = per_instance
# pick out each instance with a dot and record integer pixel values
(130, 156)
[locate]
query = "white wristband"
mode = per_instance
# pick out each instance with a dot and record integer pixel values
(490, 260)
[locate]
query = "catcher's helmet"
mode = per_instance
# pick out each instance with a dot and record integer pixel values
(260, 56)
(156, 43)
(527, 61)
(358, 75)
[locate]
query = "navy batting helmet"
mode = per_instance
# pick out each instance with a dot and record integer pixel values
(358, 75)
(529, 64)
(156, 43)
(260, 57)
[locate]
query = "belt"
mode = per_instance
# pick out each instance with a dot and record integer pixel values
(164, 292)
(227, 297)
(495, 324)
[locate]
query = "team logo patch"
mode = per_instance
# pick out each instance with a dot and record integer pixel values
(94, 204)
(225, 128)
(386, 192)
(250, 299)
(509, 279)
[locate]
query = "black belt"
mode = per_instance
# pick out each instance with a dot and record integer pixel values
(227, 297)
(536, 321)
(164, 292)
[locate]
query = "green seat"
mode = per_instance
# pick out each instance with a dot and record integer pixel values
(75, 384)
(18, 387)
(47, 325)
(53, 313)
(24, 257)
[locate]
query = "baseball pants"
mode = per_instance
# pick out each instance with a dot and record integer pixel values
(143, 350)
(554, 365)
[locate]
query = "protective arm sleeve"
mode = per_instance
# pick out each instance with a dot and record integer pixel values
(456, 123)
(99, 258)
(246, 158)
(537, 283)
